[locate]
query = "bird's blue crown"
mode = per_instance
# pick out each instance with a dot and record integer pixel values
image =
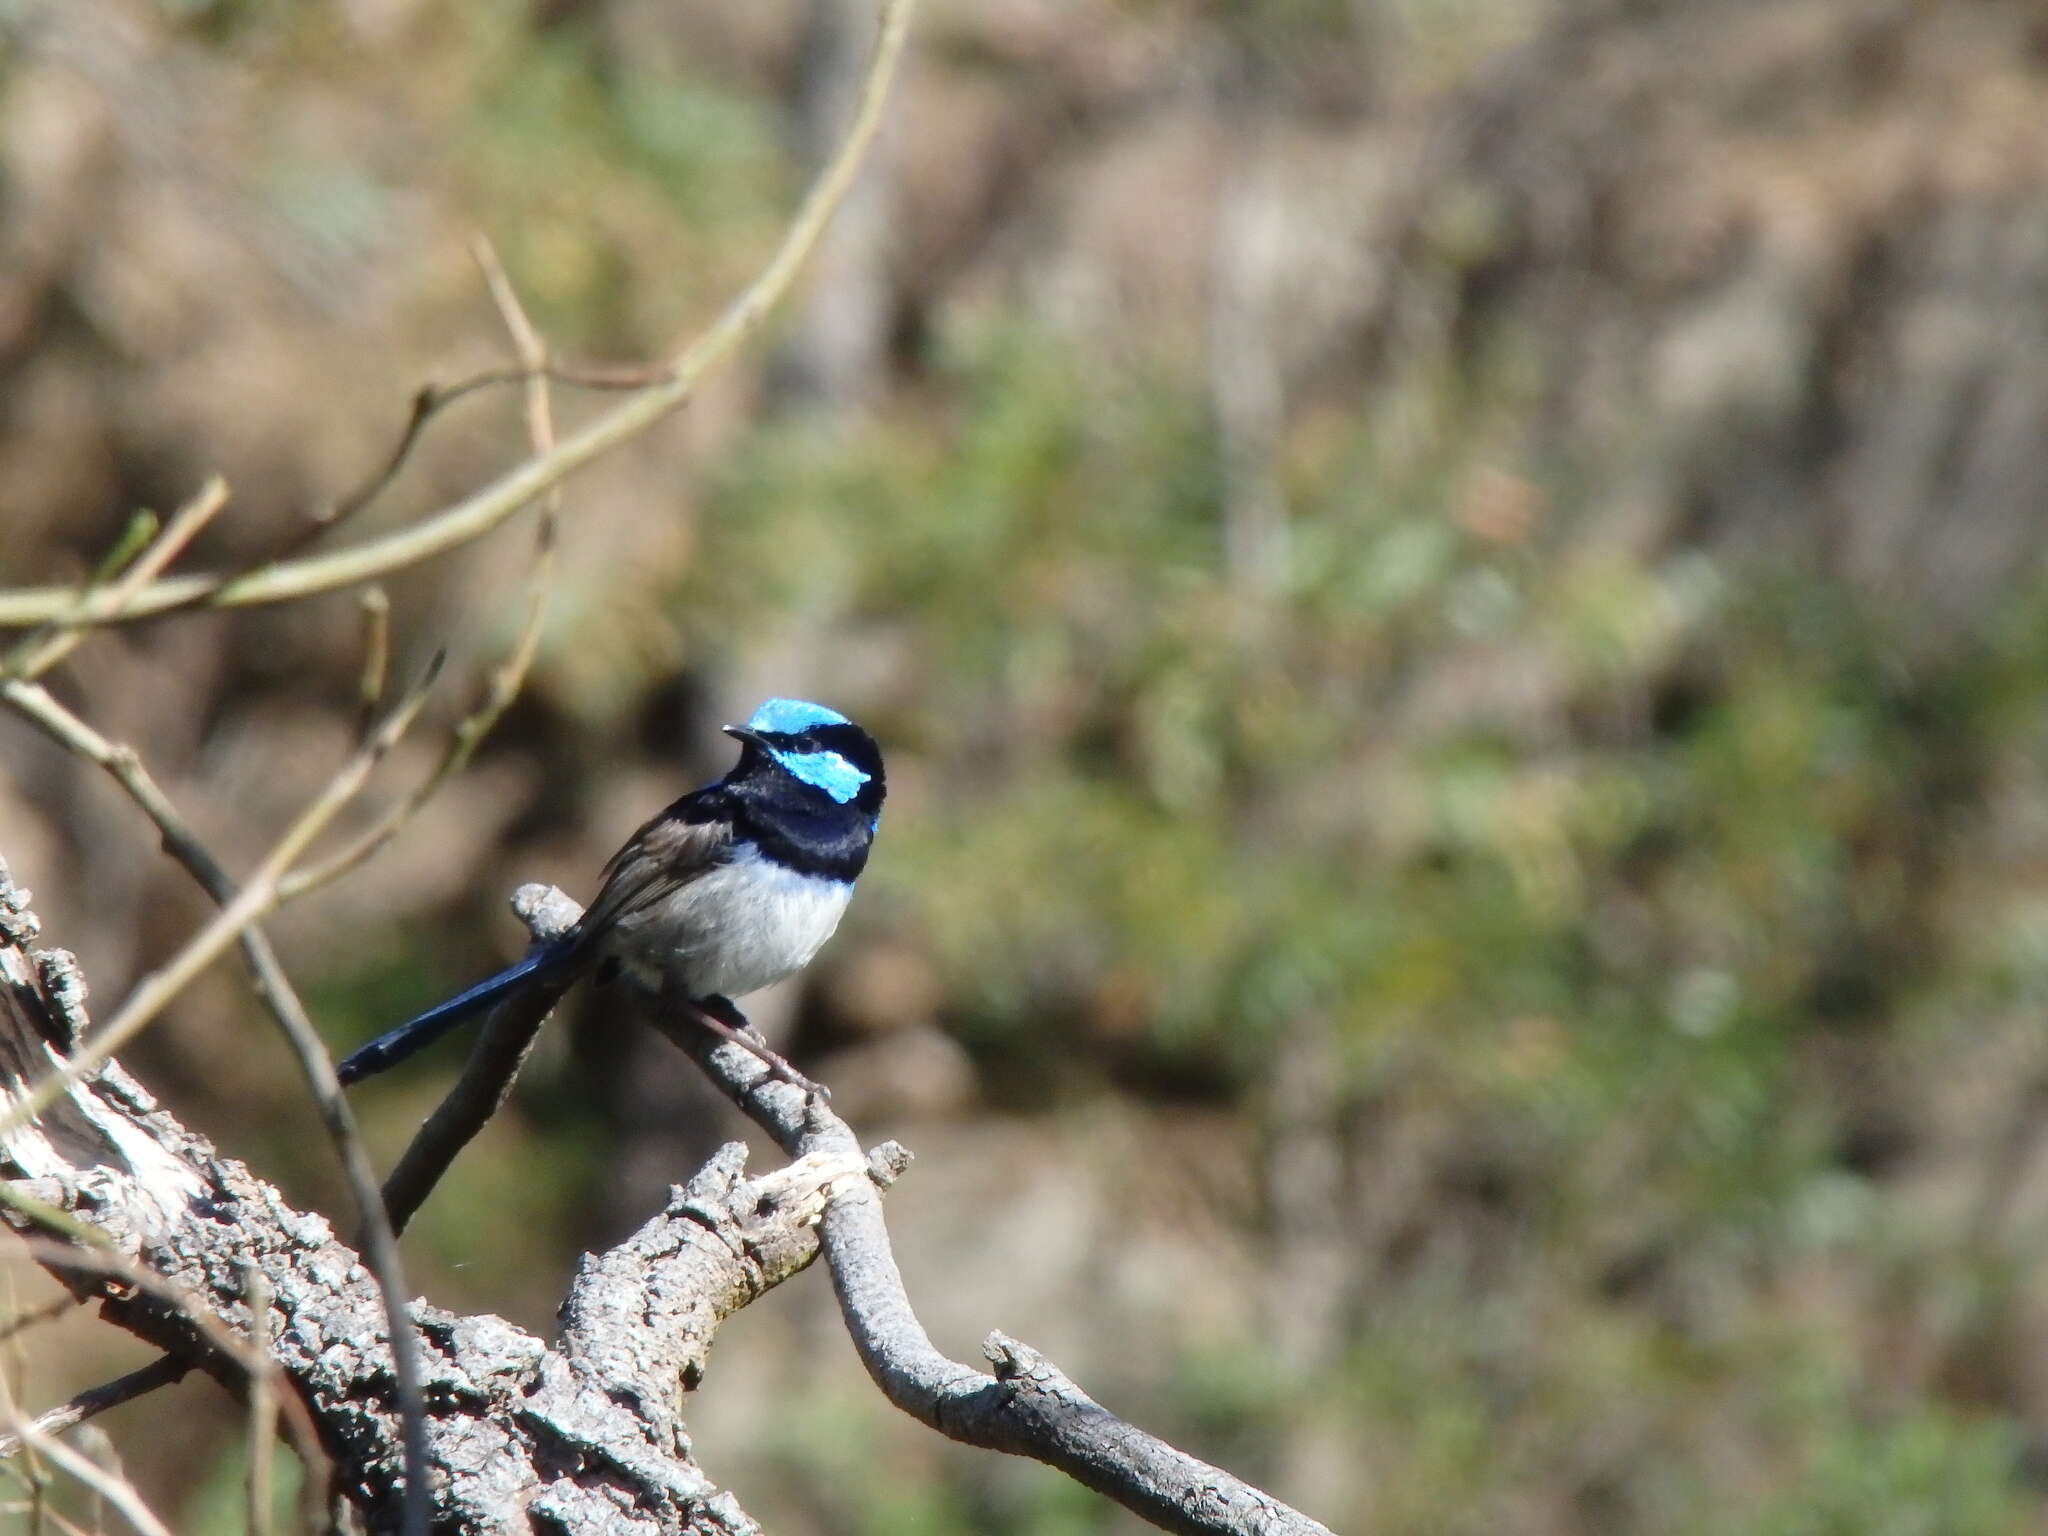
(792, 717)
(821, 769)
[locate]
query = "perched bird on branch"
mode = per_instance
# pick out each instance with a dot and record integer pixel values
(734, 886)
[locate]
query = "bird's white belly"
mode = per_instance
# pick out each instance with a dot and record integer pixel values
(734, 929)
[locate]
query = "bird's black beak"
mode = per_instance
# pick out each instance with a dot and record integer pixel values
(742, 733)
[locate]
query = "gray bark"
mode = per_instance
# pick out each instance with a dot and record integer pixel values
(522, 1435)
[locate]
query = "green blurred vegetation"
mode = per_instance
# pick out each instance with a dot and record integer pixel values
(1164, 824)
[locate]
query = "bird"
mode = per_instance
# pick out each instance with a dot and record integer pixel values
(734, 886)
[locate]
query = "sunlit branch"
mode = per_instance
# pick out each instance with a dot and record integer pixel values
(164, 1371)
(485, 509)
(250, 903)
(36, 655)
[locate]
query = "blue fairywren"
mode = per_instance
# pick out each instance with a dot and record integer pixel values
(734, 886)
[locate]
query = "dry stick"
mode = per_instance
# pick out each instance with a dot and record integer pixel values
(164, 1371)
(141, 531)
(485, 509)
(274, 988)
(29, 1472)
(429, 400)
(527, 344)
(1029, 1407)
(503, 686)
(508, 1034)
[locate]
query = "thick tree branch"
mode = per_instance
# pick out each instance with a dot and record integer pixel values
(519, 1434)
(1029, 1408)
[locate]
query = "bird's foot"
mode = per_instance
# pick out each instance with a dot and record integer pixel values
(726, 1021)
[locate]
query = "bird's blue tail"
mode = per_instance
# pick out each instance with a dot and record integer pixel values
(394, 1045)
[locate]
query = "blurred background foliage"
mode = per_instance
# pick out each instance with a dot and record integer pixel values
(1454, 593)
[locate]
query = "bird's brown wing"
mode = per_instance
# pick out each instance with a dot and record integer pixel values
(662, 857)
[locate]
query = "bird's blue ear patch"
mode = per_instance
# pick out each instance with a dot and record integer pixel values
(791, 717)
(822, 770)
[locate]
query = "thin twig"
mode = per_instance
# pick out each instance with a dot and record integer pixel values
(164, 1371)
(262, 1402)
(510, 674)
(142, 528)
(117, 1491)
(251, 903)
(503, 686)
(36, 1316)
(28, 1470)
(527, 344)
(376, 670)
(431, 399)
(485, 509)
(501, 1046)
(36, 656)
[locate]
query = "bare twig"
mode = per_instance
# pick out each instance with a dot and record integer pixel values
(256, 898)
(36, 1316)
(262, 1402)
(117, 1491)
(431, 399)
(163, 1371)
(503, 686)
(38, 654)
(376, 670)
(527, 344)
(508, 1034)
(485, 509)
(1029, 1407)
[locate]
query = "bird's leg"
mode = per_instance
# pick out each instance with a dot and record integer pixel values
(722, 1018)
